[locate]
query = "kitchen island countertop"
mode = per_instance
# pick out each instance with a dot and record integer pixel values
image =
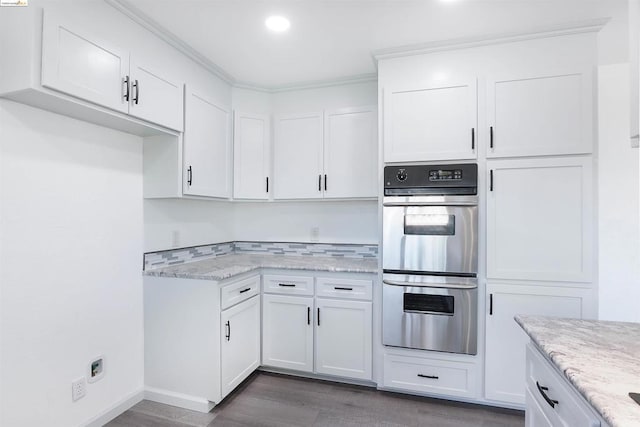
(227, 266)
(600, 359)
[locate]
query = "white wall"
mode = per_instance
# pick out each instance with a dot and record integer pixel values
(70, 282)
(619, 206)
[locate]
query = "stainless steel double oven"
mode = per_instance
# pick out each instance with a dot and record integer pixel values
(430, 257)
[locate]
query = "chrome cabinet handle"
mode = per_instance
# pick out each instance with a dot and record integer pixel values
(189, 175)
(136, 85)
(228, 335)
(542, 391)
(125, 82)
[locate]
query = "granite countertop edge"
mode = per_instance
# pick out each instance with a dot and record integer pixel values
(563, 362)
(228, 266)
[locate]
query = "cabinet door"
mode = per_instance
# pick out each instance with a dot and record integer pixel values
(251, 156)
(539, 221)
(206, 147)
(534, 416)
(506, 341)
(298, 157)
(351, 153)
(437, 122)
(240, 348)
(287, 326)
(155, 97)
(78, 63)
(343, 338)
(541, 114)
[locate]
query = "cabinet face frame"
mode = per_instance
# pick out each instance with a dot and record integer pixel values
(499, 146)
(587, 234)
(467, 146)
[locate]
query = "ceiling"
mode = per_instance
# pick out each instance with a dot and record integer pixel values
(334, 39)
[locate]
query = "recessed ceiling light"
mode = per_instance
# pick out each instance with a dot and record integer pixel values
(277, 23)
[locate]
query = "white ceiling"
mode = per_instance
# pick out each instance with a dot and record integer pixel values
(332, 39)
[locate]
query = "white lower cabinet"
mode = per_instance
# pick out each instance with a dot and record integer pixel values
(506, 341)
(343, 338)
(287, 332)
(429, 376)
(342, 326)
(240, 343)
(551, 400)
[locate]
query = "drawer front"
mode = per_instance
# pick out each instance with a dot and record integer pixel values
(543, 380)
(429, 376)
(290, 285)
(239, 291)
(344, 288)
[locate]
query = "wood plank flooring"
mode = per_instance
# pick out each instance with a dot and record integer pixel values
(266, 399)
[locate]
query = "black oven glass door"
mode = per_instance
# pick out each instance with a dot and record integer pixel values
(443, 305)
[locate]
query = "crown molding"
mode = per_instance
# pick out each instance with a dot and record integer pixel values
(589, 26)
(132, 12)
(313, 84)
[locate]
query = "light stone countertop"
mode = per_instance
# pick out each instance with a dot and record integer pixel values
(226, 266)
(600, 359)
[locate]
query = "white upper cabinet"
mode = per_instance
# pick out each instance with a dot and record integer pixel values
(351, 153)
(207, 140)
(298, 156)
(78, 63)
(431, 122)
(154, 96)
(539, 220)
(540, 114)
(251, 156)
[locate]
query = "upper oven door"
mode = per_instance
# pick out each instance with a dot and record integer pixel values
(436, 238)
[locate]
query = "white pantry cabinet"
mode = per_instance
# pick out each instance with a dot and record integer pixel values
(207, 146)
(341, 318)
(81, 64)
(287, 332)
(431, 122)
(251, 156)
(540, 219)
(326, 155)
(540, 114)
(506, 341)
(240, 348)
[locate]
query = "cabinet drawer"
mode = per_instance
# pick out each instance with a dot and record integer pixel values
(568, 407)
(291, 285)
(344, 288)
(429, 376)
(239, 291)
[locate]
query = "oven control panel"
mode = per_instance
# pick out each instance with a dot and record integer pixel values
(448, 179)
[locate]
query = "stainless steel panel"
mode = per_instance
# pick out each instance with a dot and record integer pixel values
(414, 248)
(452, 327)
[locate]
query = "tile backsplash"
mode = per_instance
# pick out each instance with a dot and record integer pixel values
(179, 256)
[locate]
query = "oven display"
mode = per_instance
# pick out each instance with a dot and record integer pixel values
(445, 175)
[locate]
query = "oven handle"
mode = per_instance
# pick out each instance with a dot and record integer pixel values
(431, 285)
(457, 203)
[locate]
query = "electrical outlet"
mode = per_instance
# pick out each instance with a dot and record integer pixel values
(175, 238)
(78, 388)
(315, 234)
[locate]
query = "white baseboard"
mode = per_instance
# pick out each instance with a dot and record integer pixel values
(180, 400)
(116, 409)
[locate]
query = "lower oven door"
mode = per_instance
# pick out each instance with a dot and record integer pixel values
(430, 313)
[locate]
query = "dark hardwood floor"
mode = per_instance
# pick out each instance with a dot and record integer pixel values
(267, 399)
